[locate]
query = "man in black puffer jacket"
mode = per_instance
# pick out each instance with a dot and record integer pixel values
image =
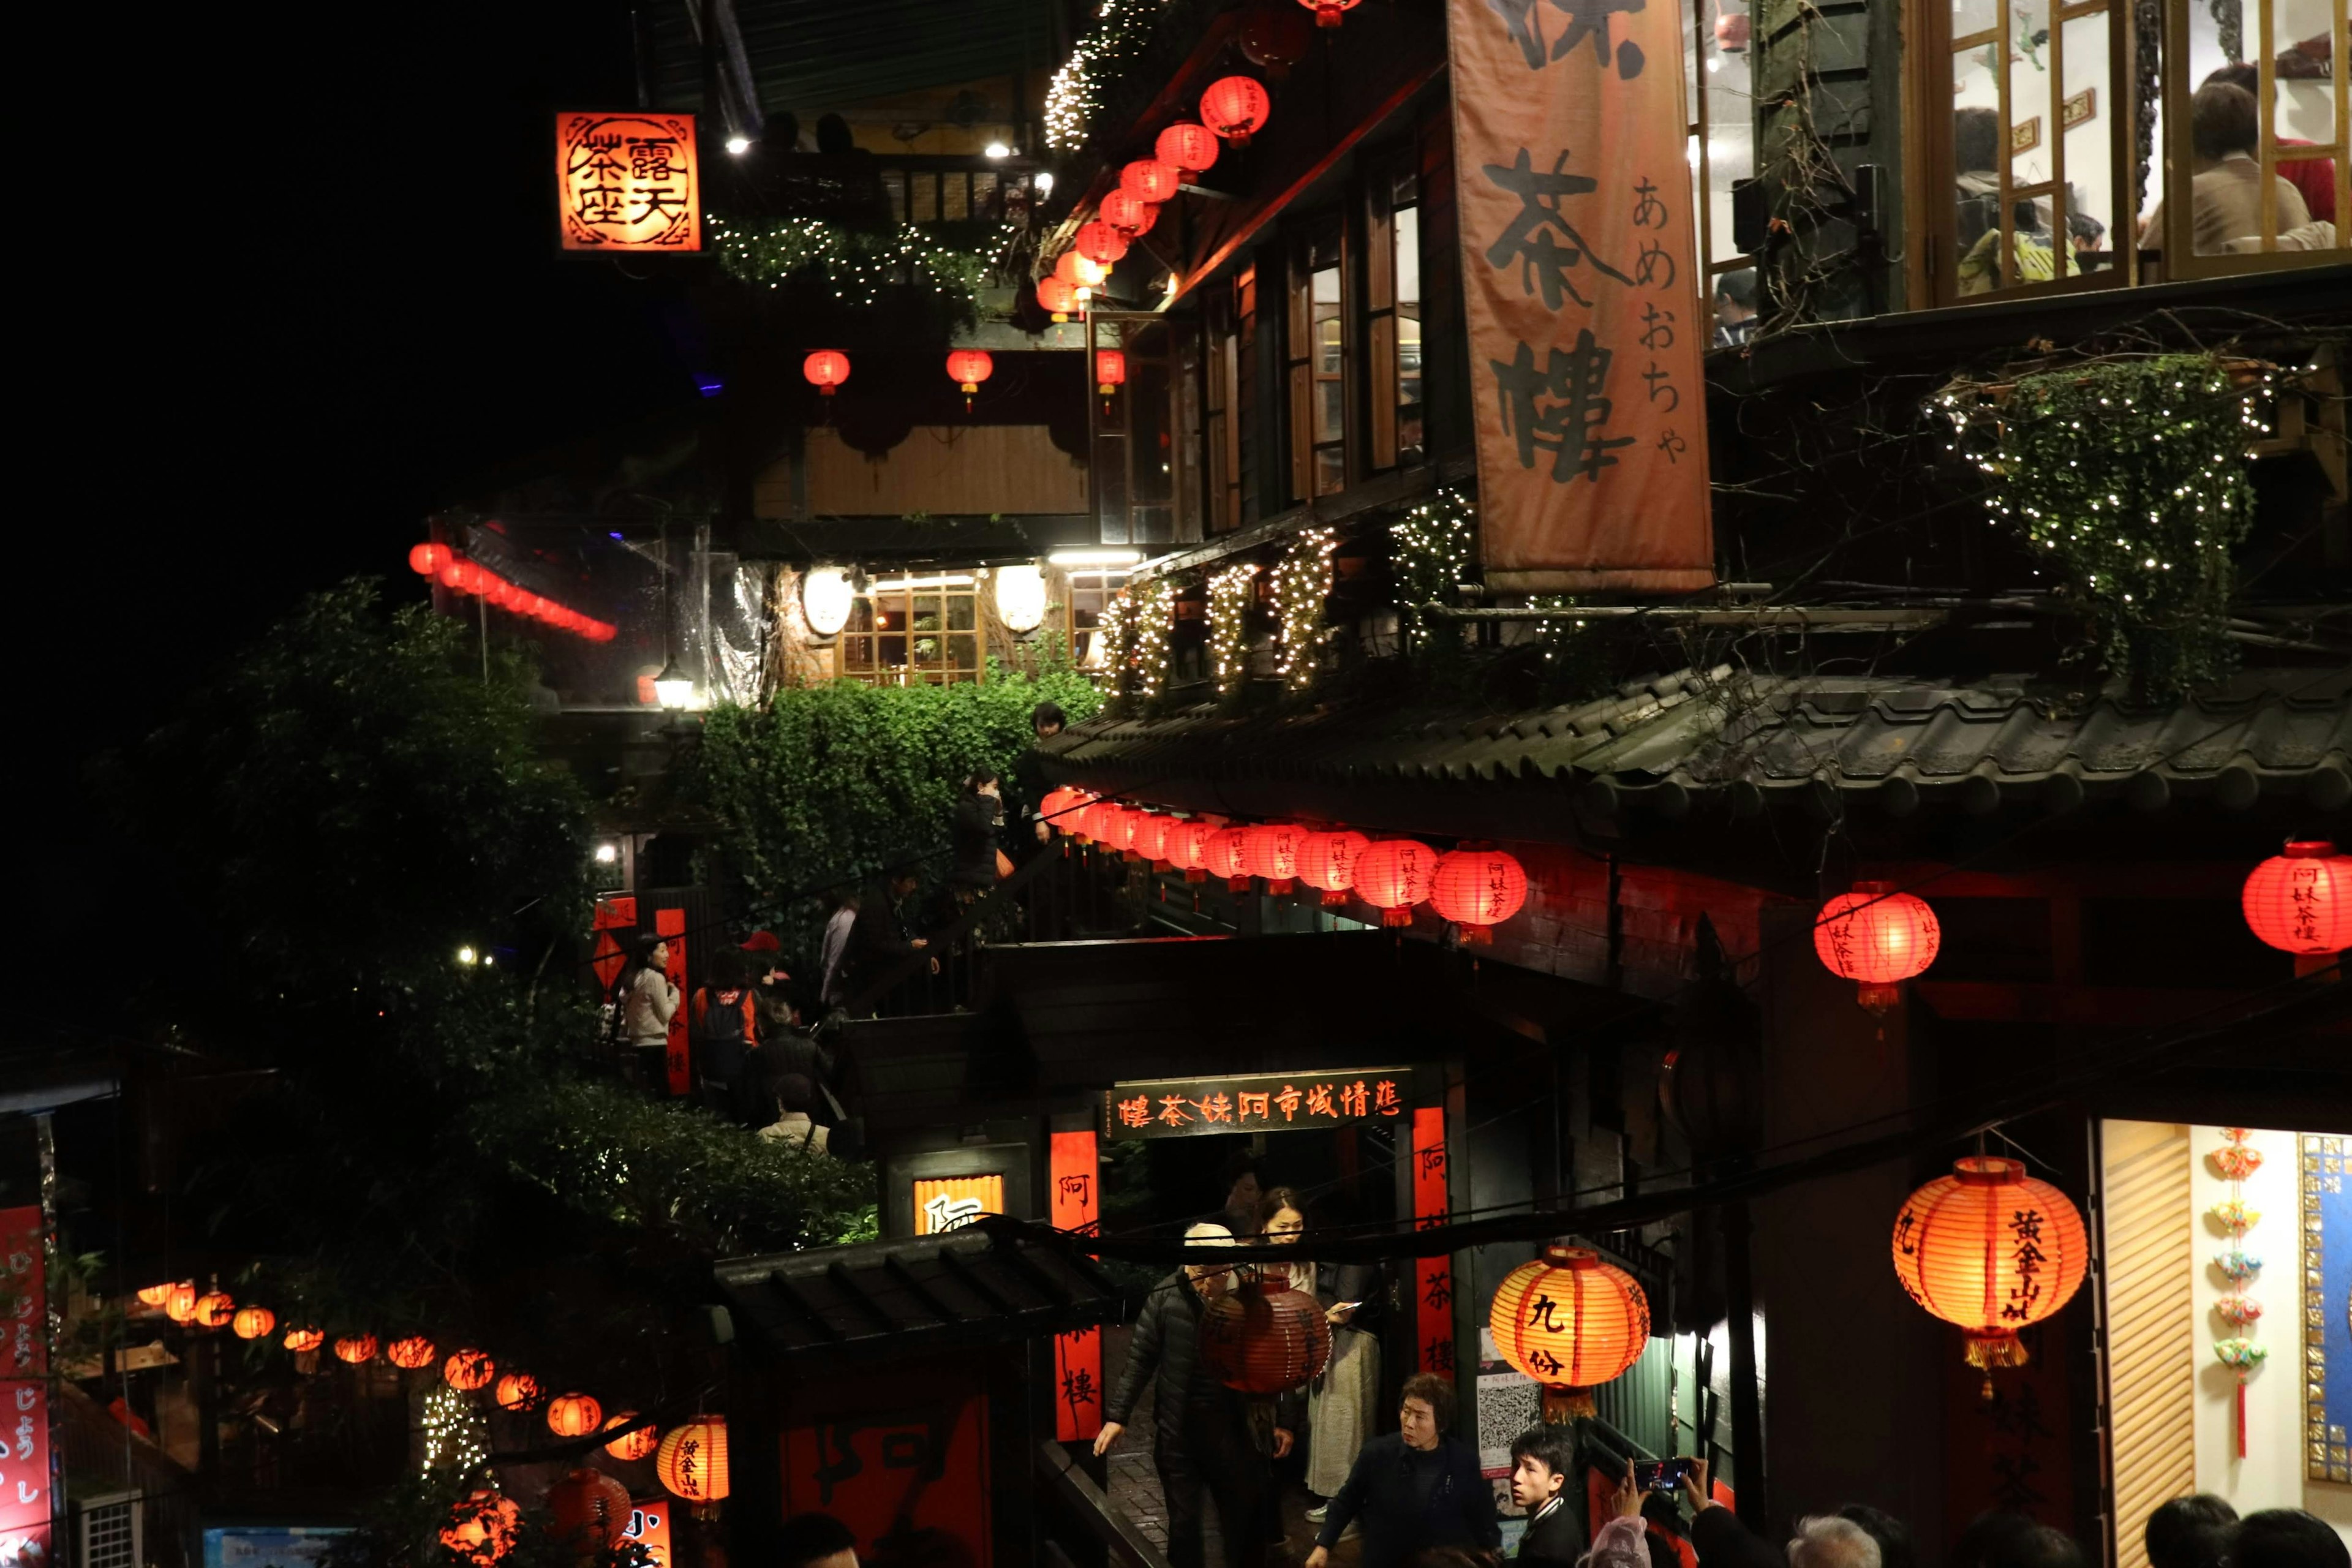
(1201, 1439)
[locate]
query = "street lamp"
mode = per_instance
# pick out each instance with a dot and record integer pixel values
(673, 688)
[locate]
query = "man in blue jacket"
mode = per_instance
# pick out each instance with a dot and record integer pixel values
(1414, 1489)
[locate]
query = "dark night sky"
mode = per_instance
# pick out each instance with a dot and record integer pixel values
(292, 330)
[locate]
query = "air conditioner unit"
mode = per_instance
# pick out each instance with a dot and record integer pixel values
(111, 1532)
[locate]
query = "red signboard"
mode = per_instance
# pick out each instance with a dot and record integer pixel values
(612, 915)
(1077, 1357)
(912, 1487)
(670, 926)
(648, 1526)
(1433, 1276)
(25, 1500)
(627, 181)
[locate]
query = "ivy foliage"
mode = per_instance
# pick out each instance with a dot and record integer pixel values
(2129, 480)
(1432, 549)
(858, 268)
(828, 784)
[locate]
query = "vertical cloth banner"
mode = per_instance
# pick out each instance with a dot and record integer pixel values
(1432, 1277)
(1579, 279)
(670, 926)
(25, 1505)
(1077, 1357)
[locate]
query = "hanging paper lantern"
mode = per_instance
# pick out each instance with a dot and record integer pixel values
(588, 1511)
(1100, 243)
(1991, 1249)
(1151, 180)
(574, 1414)
(180, 1306)
(302, 1341)
(1126, 831)
(1080, 271)
(1110, 371)
(824, 370)
(1188, 843)
(425, 559)
(1146, 219)
(1572, 1323)
(213, 1310)
(1478, 890)
(468, 1370)
(1264, 1341)
(1059, 810)
(1186, 148)
(632, 1445)
(1236, 108)
(517, 1391)
(482, 1528)
(1328, 860)
(692, 1463)
(1226, 855)
(252, 1322)
(1393, 875)
(2301, 902)
(1879, 937)
(1327, 12)
(968, 368)
(155, 1294)
(410, 1353)
(1057, 295)
(1271, 851)
(1123, 210)
(1151, 839)
(357, 1350)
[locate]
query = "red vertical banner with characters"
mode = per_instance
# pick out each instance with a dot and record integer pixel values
(1579, 279)
(1076, 1174)
(26, 1504)
(912, 1487)
(670, 926)
(612, 915)
(1432, 1277)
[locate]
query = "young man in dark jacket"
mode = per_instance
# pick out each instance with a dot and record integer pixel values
(1201, 1436)
(1542, 1460)
(1031, 832)
(1414, 1489)
(878, 939)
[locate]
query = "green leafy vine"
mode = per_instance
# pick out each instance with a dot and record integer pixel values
(1432, 549)
(1230, 593)
(859, 267)
(1302, 589)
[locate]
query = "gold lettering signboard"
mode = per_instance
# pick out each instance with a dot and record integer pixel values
(1257, 1102)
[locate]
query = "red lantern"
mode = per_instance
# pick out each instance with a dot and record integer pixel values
(450, 574)
(1327, 12)
(1123, 210)
(692, 1463)
(1879, 937)
(824, 370)
(588, 1511)
(1079, 271)
(2301, 902)
(1478, 890)
(425, 559)
(1274, 37)
(1057, 295)
(1226, 855)
(1146, 219)
(574, 1414)
(1572, 1323)
(411, 1353)
(1328, 860)
(1264, 1341)
(1126, 831)
(968, 368)
(1188, 845)
(1101, 244)
(1990, 1250)
(517, 1391)
(482, 1529)
(1110, 371)
(213, 1310)
(632, 1445)
(1395, 875)
(1058, 809)
(1236, 108)
(468, 1370)
(1186, 147)
(180, 1306)
(357, 1350)
(154, 1295)
(252, 1322)
(1152, 180)
(301, 1341)
(1271, 851)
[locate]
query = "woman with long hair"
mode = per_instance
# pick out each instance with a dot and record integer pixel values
(1341, 1403)
(647, 1002)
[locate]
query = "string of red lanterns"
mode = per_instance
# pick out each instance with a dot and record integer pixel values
(454, 572)
(1236, 108)
(1186, 148)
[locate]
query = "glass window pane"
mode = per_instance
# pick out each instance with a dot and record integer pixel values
(955, 197)
(1330, 411)
(1327, 286)
(925, 200)
(1725, 78)
(1408, 255)
(2085, 135)
(1330, 471)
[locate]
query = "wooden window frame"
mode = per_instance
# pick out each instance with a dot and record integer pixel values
(1302, 347)
(1221, 436)
(901, 602)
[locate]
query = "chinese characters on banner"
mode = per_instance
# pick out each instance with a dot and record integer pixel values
(949, 1203)
(627, 181)
(1075, 1170)
(1272, 1103)
(1432, 1277)
(612, 915)
(25, 1520)
(670, 926)
(1578, 262)
(649, 1527)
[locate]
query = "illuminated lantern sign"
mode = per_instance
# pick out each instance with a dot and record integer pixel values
(1990, 1250)
(627, 183)
(2301, 902)
(951, 1202)
(1183, 1107)
(1570, 1322)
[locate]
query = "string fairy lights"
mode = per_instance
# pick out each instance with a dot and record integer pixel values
(1229, 593)
(1302, 586)
(1115, 44)
(1151, 618)
(1431, 550)
(856, 267)
(454, 1438)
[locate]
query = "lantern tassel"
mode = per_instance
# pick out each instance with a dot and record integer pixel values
(1562, 1404)
(1991, 1347)
(2241, 1417)
(1401, 917)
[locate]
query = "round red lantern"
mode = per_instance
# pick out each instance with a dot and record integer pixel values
(1058, 296)
(301, 1341)
(1126, 831)
(1236, 108)
(1110, 371)
(357, 1350)
(1328, 860)
(1226, 855)
(1478, 890)
(2301, 902)
(1079, 271)
(468, 1370)
(424, 560)
(180, 1306)
(1271, 850)
(588, 1511)
(1123, 210)
(154, 1295)
(1186, 148)
(1274, 37)
(1101, 244)
(410, 1353)
(213, 1310)
(482, 1528)
(632, 1445)
(1152, 180)
(692, 1463)
(1264, 1341)
(1327, 12)
(968, 368)
(1990, 1250)
(1151, 838)
(517, 1391)
(574, 1414)
(1058, 809)
(1188, 843)
(1879, 937)
(1393, 875)
(252, 1322)
(1572, 1323)
(824, 370)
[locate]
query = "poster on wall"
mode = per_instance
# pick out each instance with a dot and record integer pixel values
(2327, 1276)
(25, 1493)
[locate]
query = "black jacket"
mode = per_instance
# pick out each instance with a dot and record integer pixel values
(1555, 1538)
(1722, 1541)
(1028, 793)
(877, 941)
(1167, 1340)
(1459, 1511)
(977, 819)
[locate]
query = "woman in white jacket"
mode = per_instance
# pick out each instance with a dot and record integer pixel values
(648, 1001)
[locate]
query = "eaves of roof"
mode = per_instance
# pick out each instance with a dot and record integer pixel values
(812, 56)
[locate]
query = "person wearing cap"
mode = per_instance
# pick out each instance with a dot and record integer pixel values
(1201, 1439)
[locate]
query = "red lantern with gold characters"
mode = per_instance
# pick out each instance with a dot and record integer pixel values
(1186, 148)
(482, 1528)
(1057, 296)
(213, 1310)
(1100, 243)
(1991, 1249)
(1236, 108)
(1327, 860)
(825, 369)
(588, 1511)
(252, 1322)
(574, 1414)
(1879, 937)
(692, 1463)
(1123, 210)
(1478, 890)
(1265, 1340)
(303, 1340)
(1226, 855)
(468, 1370)
(410, 1353)
(1572, 1323)
(632, 1445)
(1393, 875)
(1272, 852)
(1110, 371)
(357, 1350)
(517, 1391)
(2301, 902)
(1151, 180)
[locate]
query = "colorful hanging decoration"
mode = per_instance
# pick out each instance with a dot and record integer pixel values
(1226, 855)
(1572, 1323)
(1393, 875)
(1270, 850)
(692, 1463)
(180, 1306)
(968, 368)
(213, 1310)
(1152, 841)
(303, 1340)
(156, 1295)
(1101, 244)
(2301, 902)
(468, 1370)
(1186, 148)
(1326, 861)
(1188, 848)
(459, 575)
(2233, 1163)
(1991, 1249)
(1478, 890)
(1236, 108)
(1110, 371)
(1264, 1341)
(1152, 180)
(632, 1445)
(253, 1322)
(1879, 937)
(1080, 271)
(824, 370)
(410, 1353)
(1124, 210)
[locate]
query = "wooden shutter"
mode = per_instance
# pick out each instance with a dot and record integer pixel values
(2148, 1243)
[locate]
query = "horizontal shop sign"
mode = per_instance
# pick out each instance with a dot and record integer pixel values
(1259, 1102)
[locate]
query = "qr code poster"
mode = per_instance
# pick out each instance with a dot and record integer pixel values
(1508, 1404)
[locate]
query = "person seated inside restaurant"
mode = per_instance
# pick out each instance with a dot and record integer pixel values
(2313, 178)
(2226, 184)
